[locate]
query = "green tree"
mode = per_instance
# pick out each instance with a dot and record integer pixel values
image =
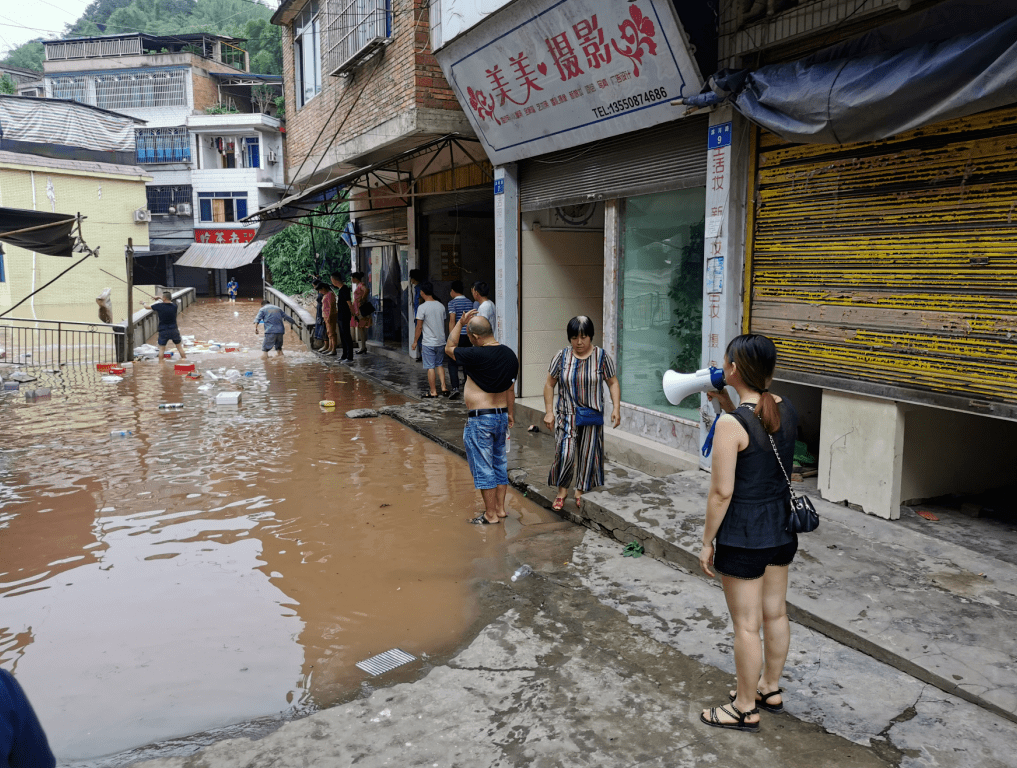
(264, 45)
(27, 56)
(294, 253)
(7, 85)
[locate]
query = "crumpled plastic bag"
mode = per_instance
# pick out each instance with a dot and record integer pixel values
(105, 306)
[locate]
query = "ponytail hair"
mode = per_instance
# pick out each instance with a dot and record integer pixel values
(755, 357)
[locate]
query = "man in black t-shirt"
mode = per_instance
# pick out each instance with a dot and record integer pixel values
(344, 301)
(168, 331)
(491, 369)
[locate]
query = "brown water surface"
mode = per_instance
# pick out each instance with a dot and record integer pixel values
(222, 564)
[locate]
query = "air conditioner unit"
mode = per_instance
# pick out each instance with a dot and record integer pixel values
(183, 209)
(142, 214)
(271, 156)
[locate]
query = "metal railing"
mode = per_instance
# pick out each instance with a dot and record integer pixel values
(54, 343)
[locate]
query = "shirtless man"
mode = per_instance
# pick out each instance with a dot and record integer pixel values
(491, 369)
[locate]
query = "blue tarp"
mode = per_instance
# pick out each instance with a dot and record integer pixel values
(955, 60)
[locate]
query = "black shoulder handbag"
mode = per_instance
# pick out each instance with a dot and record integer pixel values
(803, 517)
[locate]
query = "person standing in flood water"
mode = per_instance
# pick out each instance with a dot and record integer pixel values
(166, 309)
(273, 317)
(491, 369)
(23, 743)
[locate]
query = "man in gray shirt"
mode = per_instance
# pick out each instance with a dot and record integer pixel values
(273, 317)
(485, 307)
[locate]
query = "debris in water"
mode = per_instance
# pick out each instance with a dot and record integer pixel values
(927, 515)
(385, 662)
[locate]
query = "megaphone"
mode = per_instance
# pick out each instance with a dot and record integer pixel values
(678, 386)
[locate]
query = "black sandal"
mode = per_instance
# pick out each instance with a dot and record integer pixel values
(481, 519)
(761, 702)
(740, 725)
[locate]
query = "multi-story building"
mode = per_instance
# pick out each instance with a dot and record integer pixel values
(371, 120)
(846, 188)
(58, 156)
(213, 152)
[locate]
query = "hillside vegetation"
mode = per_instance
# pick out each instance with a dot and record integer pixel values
(236, 18)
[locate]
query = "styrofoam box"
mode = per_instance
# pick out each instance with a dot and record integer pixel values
(228, 398)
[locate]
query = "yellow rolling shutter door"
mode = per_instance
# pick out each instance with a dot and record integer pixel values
(890, 268)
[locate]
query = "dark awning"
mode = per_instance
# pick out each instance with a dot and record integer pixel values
(956, 59)
(38, 231)
(276, 217)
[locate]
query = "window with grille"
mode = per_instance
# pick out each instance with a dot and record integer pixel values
(72, 88)
(307, 53)
(161, 198)
(221, 207)
(127, 90)
(353, 28)
(163, 145)
(141, 89)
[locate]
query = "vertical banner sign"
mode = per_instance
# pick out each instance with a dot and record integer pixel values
(718, 177)
(499, 244)
(718, 186)
(542, 75)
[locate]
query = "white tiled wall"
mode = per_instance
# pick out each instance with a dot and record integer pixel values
(563, 276)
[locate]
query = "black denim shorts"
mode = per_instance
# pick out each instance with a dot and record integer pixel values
(741, 563)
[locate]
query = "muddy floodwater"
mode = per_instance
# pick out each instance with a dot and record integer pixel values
(222, 564)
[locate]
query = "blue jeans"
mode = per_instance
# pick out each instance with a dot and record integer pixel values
(484, 438)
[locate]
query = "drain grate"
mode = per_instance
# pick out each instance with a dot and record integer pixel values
(385, 662)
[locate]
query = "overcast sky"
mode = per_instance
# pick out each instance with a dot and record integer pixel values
(28, 19)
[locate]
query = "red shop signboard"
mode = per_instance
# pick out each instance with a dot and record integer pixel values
(224, 236)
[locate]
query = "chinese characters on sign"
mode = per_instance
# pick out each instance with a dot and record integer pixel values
(224, 236)
(547, 74)
(718, 175)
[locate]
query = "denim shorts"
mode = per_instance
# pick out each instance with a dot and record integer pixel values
(741, 563)
(165, 337)
(434, 357)
(484, 438)
(272, 340)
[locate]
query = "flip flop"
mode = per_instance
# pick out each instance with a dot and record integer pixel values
(558, 504)
(482, 520)
(427, 396)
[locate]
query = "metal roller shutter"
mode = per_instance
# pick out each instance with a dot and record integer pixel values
(433, 203)
(665, 157)
(388, 226)
(890, 268)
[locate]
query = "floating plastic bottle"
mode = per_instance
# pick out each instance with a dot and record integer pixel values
(120, 433)
(522, 572)
(170, 406)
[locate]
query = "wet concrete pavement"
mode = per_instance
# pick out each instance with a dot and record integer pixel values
(604, 660)
(931, 607)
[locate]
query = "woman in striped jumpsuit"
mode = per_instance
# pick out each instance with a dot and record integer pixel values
(579, 370)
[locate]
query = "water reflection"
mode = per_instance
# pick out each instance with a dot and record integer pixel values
(223, 564)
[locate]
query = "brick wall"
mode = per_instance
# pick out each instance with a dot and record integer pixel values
(405, 76)
(206, 93)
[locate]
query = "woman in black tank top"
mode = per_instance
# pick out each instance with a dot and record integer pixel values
(745, 537)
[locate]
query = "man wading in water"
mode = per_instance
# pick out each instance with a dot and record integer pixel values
(490, 397)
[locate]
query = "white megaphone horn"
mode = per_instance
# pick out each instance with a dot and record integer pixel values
(678, 386)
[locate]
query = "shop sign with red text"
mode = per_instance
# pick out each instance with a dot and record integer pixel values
(224, 236)
(542, 75)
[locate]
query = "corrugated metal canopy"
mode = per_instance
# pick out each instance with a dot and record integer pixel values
(212, 256)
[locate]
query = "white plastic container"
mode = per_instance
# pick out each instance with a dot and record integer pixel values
(228, 398)
(120, 433)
